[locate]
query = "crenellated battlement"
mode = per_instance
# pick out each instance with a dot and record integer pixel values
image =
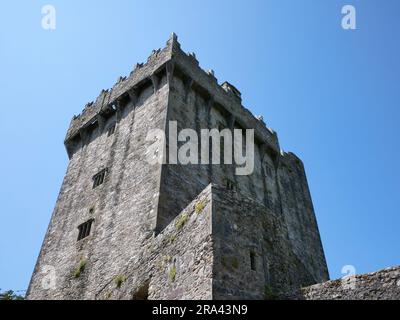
(141, 73)
(170, 61)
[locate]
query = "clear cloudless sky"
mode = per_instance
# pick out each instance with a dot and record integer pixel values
(331, 94)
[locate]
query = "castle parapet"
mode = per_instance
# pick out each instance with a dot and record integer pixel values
(171, 60)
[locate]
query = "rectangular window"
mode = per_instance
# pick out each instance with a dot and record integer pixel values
(98, 178)
(253, 261)
(111, 130)
(84, 229)
(230, 184)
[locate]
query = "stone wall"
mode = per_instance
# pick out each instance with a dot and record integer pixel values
(277, 185)
(298, 214)
(381, 285)
(205, 253)
(175, 264)
(267, 215)
(124, 207)
(254, 258)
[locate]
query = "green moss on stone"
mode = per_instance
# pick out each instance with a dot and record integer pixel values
(181, 221)
(119, 280)
(172, 238)
(269, 293)
(80, 268)
(172, 274)
(199, 207)
(109, 295)
(235, 263)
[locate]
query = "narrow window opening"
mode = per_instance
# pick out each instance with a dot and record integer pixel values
(98, 178)
(230, 184)
(84, 229)
(252, 261)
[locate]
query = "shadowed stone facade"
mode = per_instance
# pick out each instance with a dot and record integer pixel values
(164, 231)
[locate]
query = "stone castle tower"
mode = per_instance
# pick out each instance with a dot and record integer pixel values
(126, 229)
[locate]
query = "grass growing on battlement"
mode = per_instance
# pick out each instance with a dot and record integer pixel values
(172, 238)
(181, 221)
(80, 268)
(172, 274)
(119, 280)
(199, 207)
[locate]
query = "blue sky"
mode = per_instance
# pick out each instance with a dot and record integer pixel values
(331, 94)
